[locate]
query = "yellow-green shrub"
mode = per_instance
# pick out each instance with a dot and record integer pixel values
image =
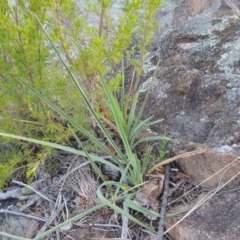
(25, 54)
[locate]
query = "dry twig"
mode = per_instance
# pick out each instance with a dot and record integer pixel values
(164, 204)
(187, 154)
(124, 234)
(23, 215)
(231, 164)
(207, 197)
(34, 190)
(51, 218)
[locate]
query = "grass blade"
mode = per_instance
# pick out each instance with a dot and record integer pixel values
(94, 165)
(119, 119)
(73, 219)
(93, 113)
(138, 208)
(10, 236)
(150, 139)
(146, 160)
(61, 147)
(131, 116)
(72, 122)
(119, 210)
(123, 90)
(136, 130)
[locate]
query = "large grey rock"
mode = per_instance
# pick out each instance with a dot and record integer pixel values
(197, 92)
(197, 87)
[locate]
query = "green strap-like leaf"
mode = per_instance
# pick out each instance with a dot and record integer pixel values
(138, 208)
(151, 138)
(132, 117)
(61, 147)
(81, 91)
(120, 210)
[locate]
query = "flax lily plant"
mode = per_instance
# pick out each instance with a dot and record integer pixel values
(128, 126)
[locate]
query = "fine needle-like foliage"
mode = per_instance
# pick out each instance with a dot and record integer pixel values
(87, 47)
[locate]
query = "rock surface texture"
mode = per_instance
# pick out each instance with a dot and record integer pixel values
(217, 219)
(197, 92)
(197, 88)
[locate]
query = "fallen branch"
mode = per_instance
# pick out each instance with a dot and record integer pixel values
(164, 204)
(19, 193)
(23, 215)
(124, 234)
(34, 190)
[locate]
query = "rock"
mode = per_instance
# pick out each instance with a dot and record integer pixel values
(16, 225)
(203, 166)
(216, 219)
(197, 92)
(197, 87)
